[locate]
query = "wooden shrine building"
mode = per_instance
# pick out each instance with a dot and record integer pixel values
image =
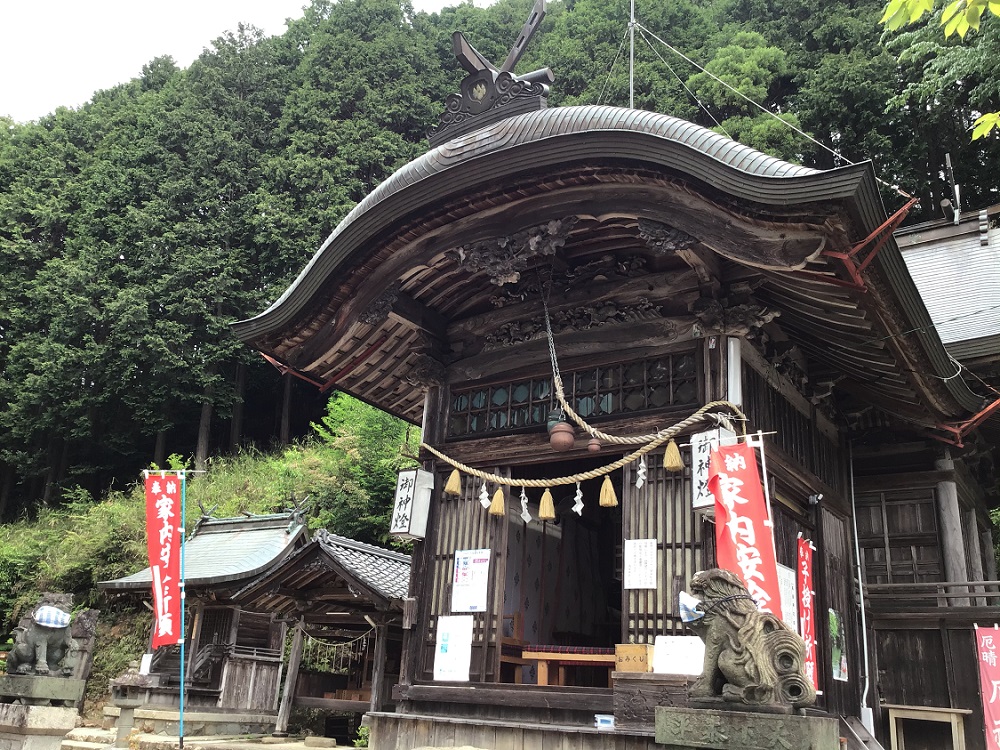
(234, 655)
(346, 598)
(678, 268)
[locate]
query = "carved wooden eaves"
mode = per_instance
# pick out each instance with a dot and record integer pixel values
(503, 259)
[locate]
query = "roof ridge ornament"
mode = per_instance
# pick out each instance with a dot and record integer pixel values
(489, 94)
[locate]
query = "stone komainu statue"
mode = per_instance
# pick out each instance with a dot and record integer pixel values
(750, 656)
(43, 644)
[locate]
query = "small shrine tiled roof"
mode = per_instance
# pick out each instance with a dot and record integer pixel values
(332, 572)
(385, 571)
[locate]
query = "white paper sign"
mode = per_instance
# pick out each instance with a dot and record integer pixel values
(788, 587)
(471, 580)
(453, 651)
(640, 564)
(678, 654)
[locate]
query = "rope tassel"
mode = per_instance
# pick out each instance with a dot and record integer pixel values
(454, 485)
(672, 460)
(546, 508)
(608, 497)
(499, 505)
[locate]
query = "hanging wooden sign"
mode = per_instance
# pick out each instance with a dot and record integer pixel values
(413, 502)
(702, 443)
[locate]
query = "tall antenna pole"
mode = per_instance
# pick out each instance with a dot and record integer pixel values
(631, 56)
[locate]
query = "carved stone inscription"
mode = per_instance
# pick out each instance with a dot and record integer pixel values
(638, 694)
(685, 728)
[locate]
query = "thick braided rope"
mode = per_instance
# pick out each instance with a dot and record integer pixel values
(661, 437)
(617, 439)
(561, 397)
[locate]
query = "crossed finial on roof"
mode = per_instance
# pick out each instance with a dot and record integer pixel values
(488, 93)
(474, 62)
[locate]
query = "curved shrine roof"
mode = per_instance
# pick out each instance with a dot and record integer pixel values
(591, 176)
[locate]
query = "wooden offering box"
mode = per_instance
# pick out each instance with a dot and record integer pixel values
(633, 657)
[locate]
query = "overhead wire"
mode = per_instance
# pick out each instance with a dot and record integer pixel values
(919, 329)
(762, 108)
(611, 70)
(680, 80)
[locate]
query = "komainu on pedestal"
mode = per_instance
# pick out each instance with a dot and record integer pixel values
(43, 643)
(751, 657)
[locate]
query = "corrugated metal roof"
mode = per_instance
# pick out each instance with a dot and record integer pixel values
(227, 549)
(959, 280)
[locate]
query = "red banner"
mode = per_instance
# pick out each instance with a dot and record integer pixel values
(163, 540)
(744, 543)
(807, 606)
(987, 648)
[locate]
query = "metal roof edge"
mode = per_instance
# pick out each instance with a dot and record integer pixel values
(502, 151)
(890, 262)
(286, 551)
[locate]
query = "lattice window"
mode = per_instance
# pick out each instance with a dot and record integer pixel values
(646, 385)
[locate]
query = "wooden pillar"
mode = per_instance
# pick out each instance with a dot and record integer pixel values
(291, 678)
(986, 542)
(378, 668)
(192, 647)
(417, 610)
(975, 554)
(234, 627)
(950, 522)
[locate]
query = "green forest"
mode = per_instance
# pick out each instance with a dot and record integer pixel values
(134, 229)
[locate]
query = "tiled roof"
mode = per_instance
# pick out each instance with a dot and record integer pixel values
(227, 549)
(386, 572)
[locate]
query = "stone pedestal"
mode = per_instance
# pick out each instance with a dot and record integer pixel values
(34, 727)
(637, 695)
(38, 690)
(712, 729)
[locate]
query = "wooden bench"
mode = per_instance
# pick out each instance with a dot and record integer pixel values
(568, 656)
(954, 717)
(511, 645)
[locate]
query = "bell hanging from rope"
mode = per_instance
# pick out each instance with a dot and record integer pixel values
(562, 436)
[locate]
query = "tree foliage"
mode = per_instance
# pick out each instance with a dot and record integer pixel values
(134, 229)
(957, 17)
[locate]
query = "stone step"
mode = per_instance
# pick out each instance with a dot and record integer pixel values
(92, 734)
(68, 744)
(244, 742)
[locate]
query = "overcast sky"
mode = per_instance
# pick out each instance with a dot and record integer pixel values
(59, 52)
